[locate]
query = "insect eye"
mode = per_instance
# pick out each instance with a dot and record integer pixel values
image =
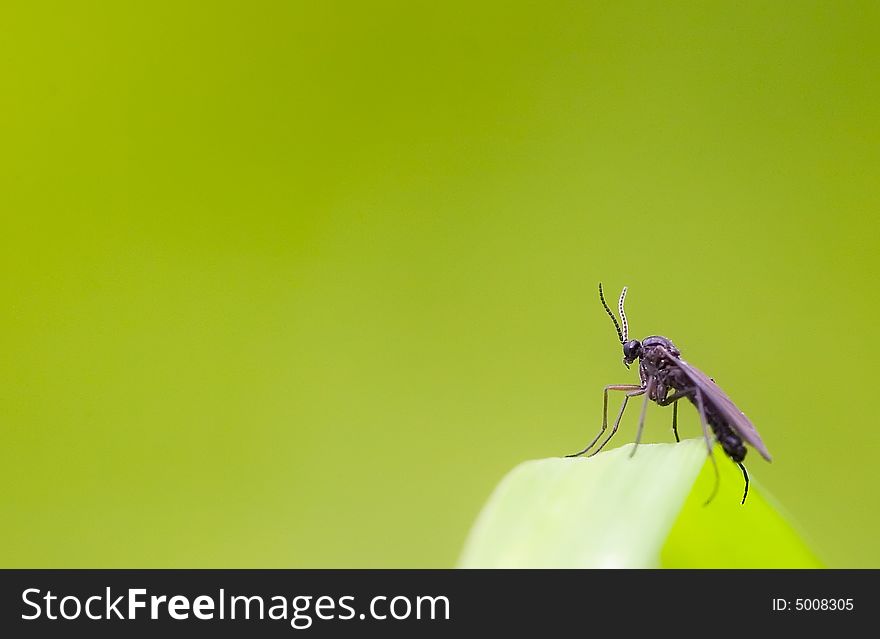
(631, 349)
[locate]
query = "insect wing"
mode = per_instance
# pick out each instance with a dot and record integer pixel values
(713, 395)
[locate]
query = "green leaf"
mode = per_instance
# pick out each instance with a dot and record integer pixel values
(613, 511)
(725, 534)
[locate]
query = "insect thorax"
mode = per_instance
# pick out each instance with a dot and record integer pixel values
(658, 340)
(657, 365)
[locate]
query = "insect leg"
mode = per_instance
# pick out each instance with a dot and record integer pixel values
(675, 420)
(746, 477)
(648, 388)
(616, 387)
(677, 396)
(673, 399)
(635, 393)
(709, 443)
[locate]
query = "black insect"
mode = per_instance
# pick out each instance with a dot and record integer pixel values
(666, 378)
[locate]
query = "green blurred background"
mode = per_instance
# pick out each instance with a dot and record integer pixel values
(294, 284)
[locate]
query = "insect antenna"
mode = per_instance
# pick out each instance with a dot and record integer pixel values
(610, 314)
(623, 315)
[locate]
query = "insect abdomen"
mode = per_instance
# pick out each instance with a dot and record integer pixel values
(729, 440)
